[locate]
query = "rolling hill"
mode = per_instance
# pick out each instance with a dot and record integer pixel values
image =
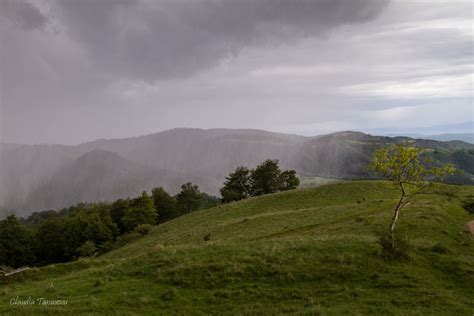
(43, 176)
(347, 155)
(307, 251)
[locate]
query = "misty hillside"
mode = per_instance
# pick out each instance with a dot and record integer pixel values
(52, 176)
(348, 154)
(101, 175)
(211, 153)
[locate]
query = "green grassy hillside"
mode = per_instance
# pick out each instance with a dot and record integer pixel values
(309, 251)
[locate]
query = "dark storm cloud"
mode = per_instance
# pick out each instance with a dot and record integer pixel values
(21, 13)
(152, 40)
(76, 70)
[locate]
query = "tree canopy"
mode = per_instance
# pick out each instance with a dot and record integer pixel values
(412, 172)
(266, 178)
(141, 211)
(237, 186)
(165, 204)
(85, 229)
(189, 199)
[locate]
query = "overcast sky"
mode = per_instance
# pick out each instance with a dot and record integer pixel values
(73, 71)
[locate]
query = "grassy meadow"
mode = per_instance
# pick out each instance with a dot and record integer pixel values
(303, 252)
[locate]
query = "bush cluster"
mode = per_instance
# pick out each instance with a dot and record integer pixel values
(266, 178)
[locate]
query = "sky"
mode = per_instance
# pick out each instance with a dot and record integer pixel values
(73, 71)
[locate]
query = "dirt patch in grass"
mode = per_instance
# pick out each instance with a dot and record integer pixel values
(470, 228)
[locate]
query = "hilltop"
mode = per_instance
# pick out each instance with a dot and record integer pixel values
(307, 251)
(37, 177)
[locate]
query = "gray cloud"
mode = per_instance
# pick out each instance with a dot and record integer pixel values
(76, 70)
(22, 14)
(152, 40)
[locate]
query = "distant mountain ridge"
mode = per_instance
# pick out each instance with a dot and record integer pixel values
(462, 131)
(460, 128)
(465, 137)
(35, 177)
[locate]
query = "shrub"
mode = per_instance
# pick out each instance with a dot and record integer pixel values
(98, 283)
(105, 247)
(143, 228)
(126, 238)
(441, 249)
(87, 249)
(169, 295)
(469, 206)
(396, 249)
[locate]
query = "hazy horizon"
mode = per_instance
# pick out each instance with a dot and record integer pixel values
(427, 131)
(422, 131)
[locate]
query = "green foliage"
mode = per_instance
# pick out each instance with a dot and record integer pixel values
(236, 187)
(118, 209)
(265, 178)
(60, 236)
(141, 211)
(289, 180)
(143, 228)
(124, 239)
(87, 249)
(50, 236)
(169, 295)
(208, 201)
(396, 250)
(98, 283)
(404, 164)
(87, 226)
(165, 204)
(189, 199)
(16, 243)
(464, 160)
(105, 246)
(440, 248)
(37, 218)
(469, 206)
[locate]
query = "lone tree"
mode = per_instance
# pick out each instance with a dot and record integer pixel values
(236, 187)
(410, 170)
(265, 178)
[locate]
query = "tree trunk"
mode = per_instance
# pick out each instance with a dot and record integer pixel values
(396, 213)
